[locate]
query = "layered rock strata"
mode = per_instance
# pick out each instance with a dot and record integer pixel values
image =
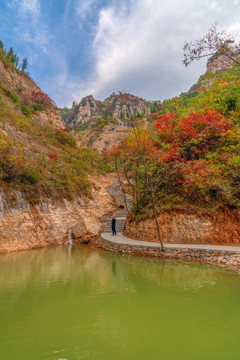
(26, 227)
(188, 226)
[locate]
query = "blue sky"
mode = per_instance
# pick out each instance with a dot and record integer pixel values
(81, 47)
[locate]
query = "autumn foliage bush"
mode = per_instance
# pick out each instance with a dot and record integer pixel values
(192, 159)
(202, 147)
(15, 166)
(38, 100)
(50, 165)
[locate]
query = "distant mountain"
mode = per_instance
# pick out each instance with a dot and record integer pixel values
(121, 106)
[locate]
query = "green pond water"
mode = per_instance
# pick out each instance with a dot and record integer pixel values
(88, 304)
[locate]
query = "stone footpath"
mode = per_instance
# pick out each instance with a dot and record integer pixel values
(227, 256)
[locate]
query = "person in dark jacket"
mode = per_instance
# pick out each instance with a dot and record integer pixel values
(113, 225)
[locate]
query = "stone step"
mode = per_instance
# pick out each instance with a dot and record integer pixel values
(117, 225)
(110, 229)
(120, 228)
(120, 224)
(117, 229)
(120, 214)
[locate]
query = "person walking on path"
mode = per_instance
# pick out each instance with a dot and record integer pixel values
(113, 225)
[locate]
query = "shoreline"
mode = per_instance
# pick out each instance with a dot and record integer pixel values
(229, 259)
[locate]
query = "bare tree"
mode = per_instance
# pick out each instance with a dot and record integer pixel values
(214, 41)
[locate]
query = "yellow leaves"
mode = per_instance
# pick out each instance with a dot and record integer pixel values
(223, 83)
(233, 133)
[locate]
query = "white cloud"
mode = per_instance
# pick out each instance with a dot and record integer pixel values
(31, 27)
(141, 50)
(83, 7)
(138, 47)
(30, 6)
(40, 38)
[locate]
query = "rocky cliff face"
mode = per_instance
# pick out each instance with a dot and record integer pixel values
(187, 226)
(23, 226)
(89, 109)
(105, 139)
(219, 62)
(24, 87)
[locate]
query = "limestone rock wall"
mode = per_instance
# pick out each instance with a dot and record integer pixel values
(219, 62)
(106, 140)
(25, 227)
(187, 226)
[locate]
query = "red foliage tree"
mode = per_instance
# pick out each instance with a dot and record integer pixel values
(53, 156)
(192, 137)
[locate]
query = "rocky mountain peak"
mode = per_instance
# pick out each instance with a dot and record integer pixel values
(122, 105)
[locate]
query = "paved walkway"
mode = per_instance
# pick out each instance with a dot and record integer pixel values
(121, 216)
(121, 239)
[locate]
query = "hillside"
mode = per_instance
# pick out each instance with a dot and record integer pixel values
(48, 186)
(27, 96)
(191, 152)
(37, 154)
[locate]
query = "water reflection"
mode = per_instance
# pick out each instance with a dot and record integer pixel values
(114, 268)
(84, 303)
(75, 263)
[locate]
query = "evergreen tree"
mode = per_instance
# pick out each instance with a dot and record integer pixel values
(1, 44)
(24, 64)
(11, 55)
(154, 107)
(16, 60)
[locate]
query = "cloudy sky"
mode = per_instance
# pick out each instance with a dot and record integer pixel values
(81, 47)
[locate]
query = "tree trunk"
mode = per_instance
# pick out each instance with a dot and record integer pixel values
(156, 220)
(121, 186)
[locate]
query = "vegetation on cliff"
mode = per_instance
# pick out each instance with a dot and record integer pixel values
(191, 153)
(11, 59)
(36, 158)
(89, 110)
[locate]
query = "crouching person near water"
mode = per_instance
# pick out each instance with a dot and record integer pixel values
(113, 225)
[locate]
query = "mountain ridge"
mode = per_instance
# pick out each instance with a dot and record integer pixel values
(122, 105)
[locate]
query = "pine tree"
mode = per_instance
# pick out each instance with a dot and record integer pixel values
(24, 64)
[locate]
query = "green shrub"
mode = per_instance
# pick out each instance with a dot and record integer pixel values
(65, 138)
(29, 176)
(26, 110)
(38, 107)
(14, 97)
